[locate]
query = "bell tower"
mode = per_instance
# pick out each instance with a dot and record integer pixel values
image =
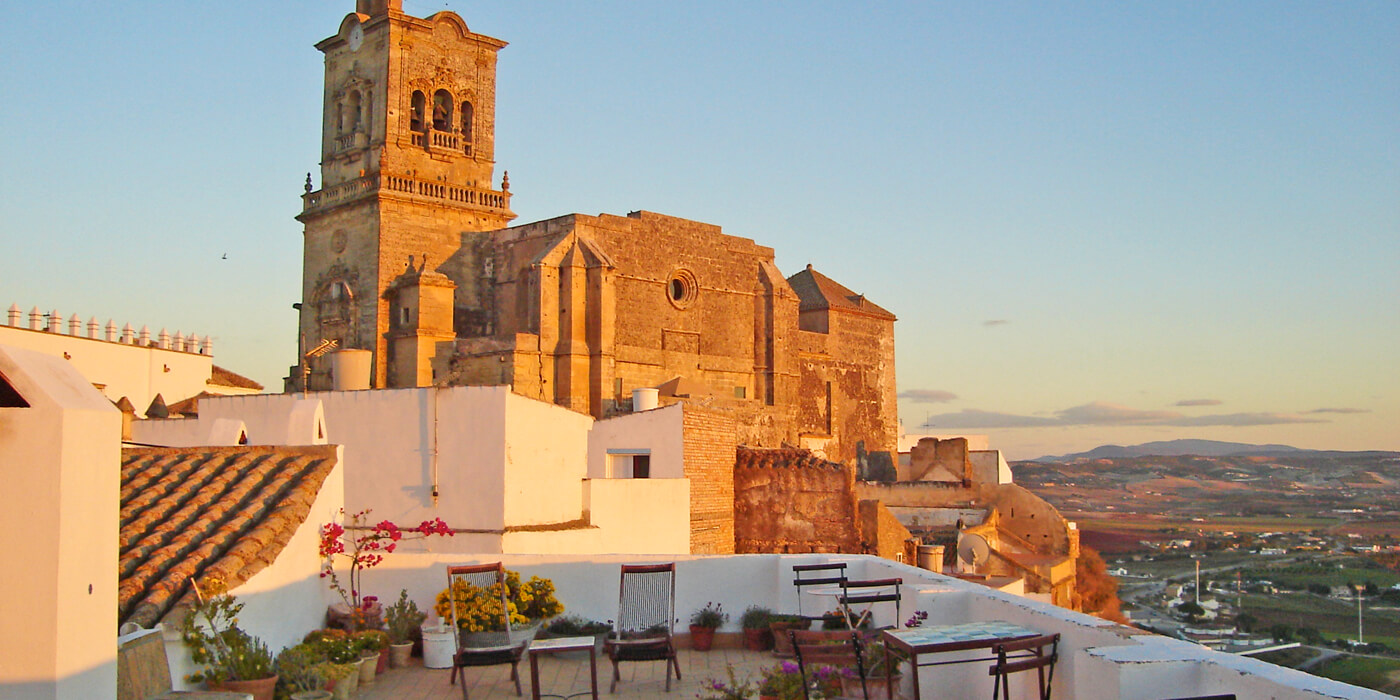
(407, 169)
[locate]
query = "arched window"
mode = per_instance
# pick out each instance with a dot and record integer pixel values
(467, 121)
(419, 105)
(339, 118)
(352, 110)
(442, 110)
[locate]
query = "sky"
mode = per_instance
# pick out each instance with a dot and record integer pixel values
(1098, 223)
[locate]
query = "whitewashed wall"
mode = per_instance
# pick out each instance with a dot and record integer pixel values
(60, 463)
(138, 373)
(658, 432)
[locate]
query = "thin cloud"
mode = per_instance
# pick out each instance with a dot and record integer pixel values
(1100, 413)
(1200, 402)
(995, 322)
(927, 395)
(974, 419)
(1340, 410)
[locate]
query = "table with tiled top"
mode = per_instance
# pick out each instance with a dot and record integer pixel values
(544, 647)
(947, 638)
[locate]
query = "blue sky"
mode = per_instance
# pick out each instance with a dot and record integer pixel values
(1084, 215)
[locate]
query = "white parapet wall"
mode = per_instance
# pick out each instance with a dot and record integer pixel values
(126, 363)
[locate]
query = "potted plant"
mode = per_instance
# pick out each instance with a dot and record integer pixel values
(403, 617)
(480, 620)
(575, 626)
(299, 672)
(779, 625)
(757, 636)
(882, 671)
(342, 668)
(230, 658)
(703, 623)
(369, 644)
(734, 689)
(781, 682)
(365, 545)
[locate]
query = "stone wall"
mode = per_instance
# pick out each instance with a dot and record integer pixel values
(788, 500)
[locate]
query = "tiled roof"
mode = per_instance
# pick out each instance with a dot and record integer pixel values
(223, 377)
(225, 512)
(817, 291)
(780, 458)
(188, 407)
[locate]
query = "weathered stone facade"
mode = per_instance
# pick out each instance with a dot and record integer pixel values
(576, 310)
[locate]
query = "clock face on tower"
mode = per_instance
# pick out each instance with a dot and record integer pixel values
(357, 37)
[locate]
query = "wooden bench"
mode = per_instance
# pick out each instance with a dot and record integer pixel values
(143, 671)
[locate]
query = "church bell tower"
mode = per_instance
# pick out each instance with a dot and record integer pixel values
(407, 169)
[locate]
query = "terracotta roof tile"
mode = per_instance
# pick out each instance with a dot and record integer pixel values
(223, 377)
(817, 291)
(208, 511)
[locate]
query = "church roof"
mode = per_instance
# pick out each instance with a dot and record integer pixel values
(222, 512)
(816, 291)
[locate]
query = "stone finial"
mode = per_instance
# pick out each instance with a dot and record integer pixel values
(128, 333)
(55, 323)
(505, 180)
(15, 315)
(110, 332)
(92, 327)
(192, 342)
(34, 317)
(75, 325)
(308, 183)
(179, 342)
(144, 337)
(163, 340)
(207, 348)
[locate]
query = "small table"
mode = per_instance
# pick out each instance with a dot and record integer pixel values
(839, 593)
(944, 638)
(541, 647)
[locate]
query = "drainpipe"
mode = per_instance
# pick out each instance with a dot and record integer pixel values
(433, 454)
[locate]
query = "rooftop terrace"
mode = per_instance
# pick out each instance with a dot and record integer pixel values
(1098, 659)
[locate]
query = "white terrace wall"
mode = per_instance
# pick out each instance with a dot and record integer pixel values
(510, 470)
(1099, 660)
(60, 462)
(131, 363)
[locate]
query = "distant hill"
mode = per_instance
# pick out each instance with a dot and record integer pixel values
(1174, 448)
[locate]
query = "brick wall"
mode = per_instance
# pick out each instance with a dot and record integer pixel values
(709, 456)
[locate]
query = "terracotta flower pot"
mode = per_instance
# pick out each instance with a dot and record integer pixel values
(383, 664)
(312, 695)
(782, 644)
(260, 689)
(345, 687)
(368, 664)
(702, 638)
(758, 639)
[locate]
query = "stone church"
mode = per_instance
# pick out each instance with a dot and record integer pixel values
(409, 255)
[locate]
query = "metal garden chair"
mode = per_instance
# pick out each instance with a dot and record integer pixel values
(833, 573)
(840, 649)
(1035, 657)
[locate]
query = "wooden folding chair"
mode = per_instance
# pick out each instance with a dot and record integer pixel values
(484, 576)
(1032, 656)
(646, 611)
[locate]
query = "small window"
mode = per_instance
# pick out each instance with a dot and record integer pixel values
(681, 289)
(641, 466)
(9, 397)
(403, 316)
(741, 392)
(419, 107)
(352, 111)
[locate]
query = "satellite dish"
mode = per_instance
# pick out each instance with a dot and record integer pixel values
(973, 549)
